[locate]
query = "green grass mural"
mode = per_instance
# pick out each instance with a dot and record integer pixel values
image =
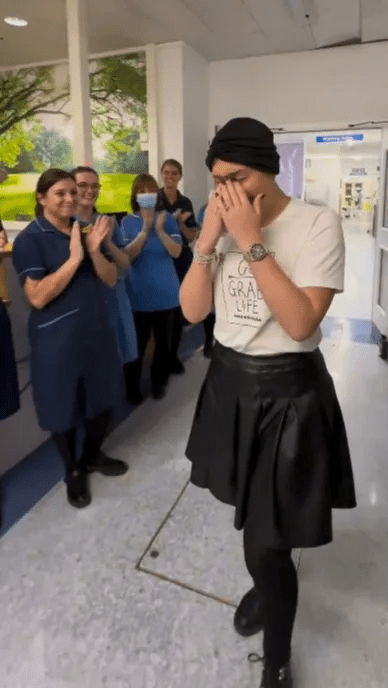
(18, 194)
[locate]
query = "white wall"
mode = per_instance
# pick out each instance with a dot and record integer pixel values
(195, 123)
(369, 164)
(183, 115)
(322, 180)
(325, 87)
(169, 85)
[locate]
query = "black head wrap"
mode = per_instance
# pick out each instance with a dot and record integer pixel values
(245, 141)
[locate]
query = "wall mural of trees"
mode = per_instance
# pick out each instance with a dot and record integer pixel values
(36, 129)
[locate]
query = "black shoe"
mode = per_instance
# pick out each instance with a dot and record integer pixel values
(78, 492)
(177, 367)
(208, 350)
(135, 398)
(276, 678)
(159, 393)
(248, 618)
(103, 464)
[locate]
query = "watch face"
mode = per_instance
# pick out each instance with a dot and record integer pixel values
(258, 251)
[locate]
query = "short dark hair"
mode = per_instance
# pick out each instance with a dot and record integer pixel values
(174, 163)
(46, 181)
(84, 168)
(142, 182)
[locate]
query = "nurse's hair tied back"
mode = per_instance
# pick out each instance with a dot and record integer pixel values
(46, 181)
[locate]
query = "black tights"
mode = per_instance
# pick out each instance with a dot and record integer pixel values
(66, 442)
(276, 581)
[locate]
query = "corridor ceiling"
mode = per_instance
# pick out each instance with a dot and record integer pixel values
(217, 29)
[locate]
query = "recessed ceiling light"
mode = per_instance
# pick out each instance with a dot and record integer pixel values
(15, 21)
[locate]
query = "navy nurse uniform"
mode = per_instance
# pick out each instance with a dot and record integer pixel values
(75, 364)
(119, 307)
(9, 390)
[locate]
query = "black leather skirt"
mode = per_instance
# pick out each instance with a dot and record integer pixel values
(268, 437)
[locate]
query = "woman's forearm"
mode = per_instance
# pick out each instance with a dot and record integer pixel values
(190, 233)
(105, 270)
(41, 292)
(289, 304)
(136, 246)
(121, 258)
(196, 292)
(172, 246)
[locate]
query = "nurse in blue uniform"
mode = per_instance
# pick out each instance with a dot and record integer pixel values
(76, 371)
(152, 240)
(120, 310)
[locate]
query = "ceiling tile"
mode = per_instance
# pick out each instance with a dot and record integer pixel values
(283, 32)
(229, 17)
(337, 21)
(374, 20)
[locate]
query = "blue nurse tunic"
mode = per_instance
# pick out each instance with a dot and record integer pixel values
(75, 364)
(119, 307)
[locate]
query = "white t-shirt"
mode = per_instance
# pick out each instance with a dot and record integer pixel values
(309, 246)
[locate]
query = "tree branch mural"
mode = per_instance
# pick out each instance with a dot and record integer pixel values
(117, 88)
(35, 120)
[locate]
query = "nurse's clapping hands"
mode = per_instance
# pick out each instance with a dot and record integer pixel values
(161, 222)
(77, 252)
(3, 240)
(97, 234)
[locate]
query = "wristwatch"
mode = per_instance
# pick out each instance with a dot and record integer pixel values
(256, 252)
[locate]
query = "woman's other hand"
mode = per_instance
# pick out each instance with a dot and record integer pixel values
(3, 240)
(77, 252)
(148, 217)
(110, 228)
(161, 222)
(212, 227)
(241, 218)
(97, 234)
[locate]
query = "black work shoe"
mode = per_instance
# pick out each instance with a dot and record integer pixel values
(135, 397)
(78, 492)
(177, 367)
(276, 678)
(208, 350)
(159, 393)
(103, 464)
(248, 618)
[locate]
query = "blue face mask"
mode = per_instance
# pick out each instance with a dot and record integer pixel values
(147, 201)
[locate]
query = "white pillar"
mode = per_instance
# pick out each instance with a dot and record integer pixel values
(77, 36)
(152, 92)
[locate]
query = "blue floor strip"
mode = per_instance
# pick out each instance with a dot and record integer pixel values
(24, 485)
(350, 330)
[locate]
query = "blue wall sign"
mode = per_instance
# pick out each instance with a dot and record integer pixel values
(340, 138)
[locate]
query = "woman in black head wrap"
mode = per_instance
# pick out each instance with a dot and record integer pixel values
(268, 435)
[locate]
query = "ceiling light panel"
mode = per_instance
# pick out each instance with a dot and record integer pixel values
(16, 21)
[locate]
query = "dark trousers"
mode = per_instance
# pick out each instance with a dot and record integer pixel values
(275, 579)
(157, 322)
(177, 324)
(95, 433)
(208, 326)
(178, 321)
